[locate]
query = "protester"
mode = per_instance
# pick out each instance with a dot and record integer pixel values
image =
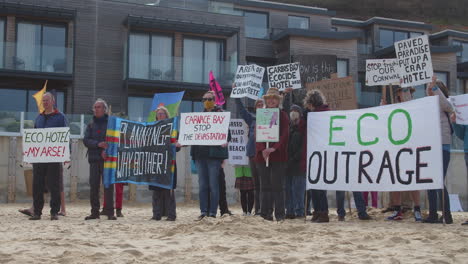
(246, 185)
(95, 141)
(315, 101)
(272, 176)
(374, 198)
(404, 95)
(47, 174)
(358, 201)
(208, 160)
(295, 176)
(223, 205)
(437, 87)
(164, 198)
(118, 200)
(250, 120)
(461, 131)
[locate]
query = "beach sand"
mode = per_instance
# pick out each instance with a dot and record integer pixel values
(228, 239)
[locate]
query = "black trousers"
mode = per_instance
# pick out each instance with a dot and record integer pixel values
(256, 177)
(164, 199)
(272, 188)
(247, 200)
(223, 205)
(46, 174)
(96, 170)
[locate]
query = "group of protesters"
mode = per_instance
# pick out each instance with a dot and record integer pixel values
(273, 186)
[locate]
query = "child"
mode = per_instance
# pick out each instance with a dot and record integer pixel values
(246, 185)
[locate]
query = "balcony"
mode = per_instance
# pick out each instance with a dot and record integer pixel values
(172, 69)
(43, 59)
(193, 5)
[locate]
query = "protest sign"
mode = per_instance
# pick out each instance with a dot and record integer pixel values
(207, 128)
(248, 82)
(315, 68)
(382, 72)
(387, 148)
(284, 76)
(267, 125)
(45, 145)
(460, 102)
(340, 93)
(140, 153)
(414, 59)
(238, 144)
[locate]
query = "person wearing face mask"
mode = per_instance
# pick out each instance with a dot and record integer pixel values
(295, 178)
(272, 176)
(250, 120)
(208, 160)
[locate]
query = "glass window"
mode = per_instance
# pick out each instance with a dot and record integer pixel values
(161, 58)
(19, 100)
(191, 106)
(462, 55)
(298, 22)
(200, 57)
(443, 76)
(40, 47)
(400, 35)
(256, 25)
(386, 38)
(138, 108)
(415, 34)
(342, 68)
(139, 56)
(335, 29)
(2, 39)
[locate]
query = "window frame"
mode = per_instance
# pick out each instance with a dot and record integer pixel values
(408, 34)
(347, 65)
(267, 22)
(308, 21)
(4, 20)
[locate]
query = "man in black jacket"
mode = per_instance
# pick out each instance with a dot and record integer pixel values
(95, 141)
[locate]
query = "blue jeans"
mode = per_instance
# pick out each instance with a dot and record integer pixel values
(358, 200)
(208, 183)
(432, 194)
(295, 191)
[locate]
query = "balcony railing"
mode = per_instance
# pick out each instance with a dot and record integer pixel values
(180, 69)
(36, 58)
(195, 5)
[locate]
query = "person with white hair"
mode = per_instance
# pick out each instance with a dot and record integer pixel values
(95, 141)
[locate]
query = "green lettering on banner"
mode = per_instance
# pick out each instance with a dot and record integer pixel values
(367, 143)
(331, 143)
(410, 127)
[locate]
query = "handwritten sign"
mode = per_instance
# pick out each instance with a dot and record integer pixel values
(207, 128)
(248, 82)
(267, 125)
(238, 144)
(315, 68)
(382, 72)
(460, 102)
(284, 76)
(46, 145)
(414, 58)
(340, 93)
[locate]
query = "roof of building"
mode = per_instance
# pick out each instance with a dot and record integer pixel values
(381, 21)
(282, 6)
(449, 32)
(37, 11)
(316, 34)
(181, 26)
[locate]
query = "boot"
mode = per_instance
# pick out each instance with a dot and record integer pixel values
(323, 217)
(315, 216)
(119, 212)
(448, 218)
(92, 216)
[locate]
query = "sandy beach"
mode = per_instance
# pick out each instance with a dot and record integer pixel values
(229, 239)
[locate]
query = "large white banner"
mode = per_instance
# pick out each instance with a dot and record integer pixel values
(206, 128)
(285, 76)
(238, 144)
(388, 148)
(248, 82)
(46, 145)
(414, 58)
(382, 72)
(460, 102)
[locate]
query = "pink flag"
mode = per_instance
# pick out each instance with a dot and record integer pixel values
(216, 88)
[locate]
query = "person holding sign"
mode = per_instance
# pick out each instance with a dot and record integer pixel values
(208, 160)
(462, 133)
(164, 198)
(315, 102)
(271, 160)
(437, 87)
(95, 141)
(47, 173)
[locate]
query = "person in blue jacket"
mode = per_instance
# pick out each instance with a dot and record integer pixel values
(461, 131)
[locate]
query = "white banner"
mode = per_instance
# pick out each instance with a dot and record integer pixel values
(388, 148)
(284, 76)
(248, 82)
(414, 58)
(46, 145)
(206, 128)
(238, 144)
(382, 72)
(460, 102)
